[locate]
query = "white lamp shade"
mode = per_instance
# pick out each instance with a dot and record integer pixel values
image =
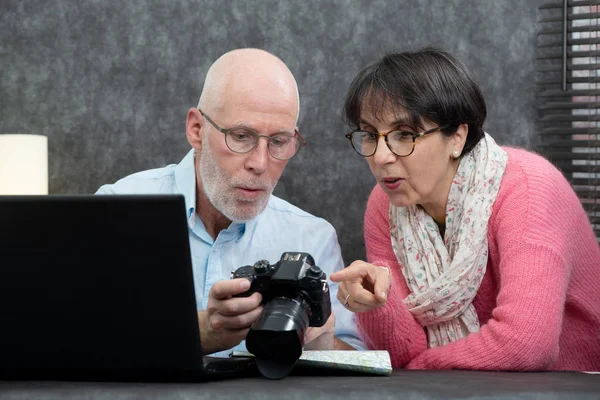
(23, 164)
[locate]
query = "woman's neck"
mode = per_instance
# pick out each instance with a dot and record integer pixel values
(436, 207)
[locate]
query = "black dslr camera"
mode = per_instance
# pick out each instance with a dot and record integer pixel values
(296, 295)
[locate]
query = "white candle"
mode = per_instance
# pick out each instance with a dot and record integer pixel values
(23, 164)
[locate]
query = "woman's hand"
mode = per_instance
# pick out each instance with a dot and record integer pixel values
(363, 286)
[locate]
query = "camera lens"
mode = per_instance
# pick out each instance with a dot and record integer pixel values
(276, 339)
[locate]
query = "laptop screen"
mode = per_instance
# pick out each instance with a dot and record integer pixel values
(96, 287)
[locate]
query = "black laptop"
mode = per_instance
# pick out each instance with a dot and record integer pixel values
(100, 288)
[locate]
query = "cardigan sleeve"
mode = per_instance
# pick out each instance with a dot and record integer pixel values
(390, 327)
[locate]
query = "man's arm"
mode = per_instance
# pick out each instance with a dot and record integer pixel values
(328, 257)
(341, 345)
(323, 338)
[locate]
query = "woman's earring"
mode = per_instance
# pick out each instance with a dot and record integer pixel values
(455, 154)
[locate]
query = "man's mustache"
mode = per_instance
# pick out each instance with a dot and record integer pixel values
(251, 184)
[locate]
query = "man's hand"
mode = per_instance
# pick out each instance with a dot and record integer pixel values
(226, 321)
(321, 338)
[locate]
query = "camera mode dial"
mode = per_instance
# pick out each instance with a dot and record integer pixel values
(261, 266)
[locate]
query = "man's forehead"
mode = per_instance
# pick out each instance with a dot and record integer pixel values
(267, 121)
(246, 106)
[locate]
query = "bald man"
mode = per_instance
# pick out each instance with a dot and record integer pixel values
(243, 133)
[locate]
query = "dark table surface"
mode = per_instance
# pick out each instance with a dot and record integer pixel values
(401, 385)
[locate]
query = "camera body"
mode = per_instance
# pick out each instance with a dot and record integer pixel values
(295, 295)
(294, 276)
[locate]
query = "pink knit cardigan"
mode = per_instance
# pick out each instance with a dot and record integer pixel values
(539, 302)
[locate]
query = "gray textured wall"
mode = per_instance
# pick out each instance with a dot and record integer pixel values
(110, 81)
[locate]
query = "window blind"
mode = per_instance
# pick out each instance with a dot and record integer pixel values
(568, 95)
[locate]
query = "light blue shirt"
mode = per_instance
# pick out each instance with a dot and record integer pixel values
(279, 228)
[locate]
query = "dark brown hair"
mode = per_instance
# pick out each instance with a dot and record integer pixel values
(429, 84)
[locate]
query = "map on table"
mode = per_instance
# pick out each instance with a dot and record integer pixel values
(375, 362)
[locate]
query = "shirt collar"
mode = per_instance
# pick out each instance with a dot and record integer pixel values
(185, 179)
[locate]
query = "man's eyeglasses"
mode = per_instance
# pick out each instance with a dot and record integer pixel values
(401, 143)
(282, 146)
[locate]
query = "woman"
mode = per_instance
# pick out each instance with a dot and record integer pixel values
(478, 256)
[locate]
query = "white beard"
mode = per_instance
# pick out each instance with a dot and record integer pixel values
(218, 188)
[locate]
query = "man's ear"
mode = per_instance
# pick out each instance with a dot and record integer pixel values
(193, 128)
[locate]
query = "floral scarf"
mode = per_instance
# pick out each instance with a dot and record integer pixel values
(443, 275)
